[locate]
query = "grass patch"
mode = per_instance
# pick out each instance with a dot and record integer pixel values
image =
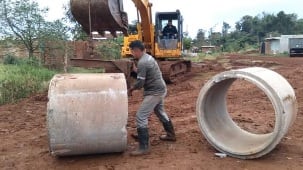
(280, 55)
(21, 80)
(202, 56)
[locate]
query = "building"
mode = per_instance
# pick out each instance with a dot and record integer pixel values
(208, 49)
(272, 45)
(283, 44)
(292, 44)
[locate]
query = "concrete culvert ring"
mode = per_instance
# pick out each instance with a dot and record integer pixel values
(223, 133)
(87, 114)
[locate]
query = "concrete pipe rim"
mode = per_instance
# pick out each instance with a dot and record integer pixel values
(246, 149)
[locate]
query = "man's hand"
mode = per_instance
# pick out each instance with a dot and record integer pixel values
(130, 92)
(135, 69)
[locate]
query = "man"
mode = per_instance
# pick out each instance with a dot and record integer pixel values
(150, 78)
(170, 31)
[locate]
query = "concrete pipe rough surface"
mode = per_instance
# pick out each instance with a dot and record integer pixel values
(87, 114)
(223, 133)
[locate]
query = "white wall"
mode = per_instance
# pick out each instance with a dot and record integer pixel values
(284, 42)
(275, 46)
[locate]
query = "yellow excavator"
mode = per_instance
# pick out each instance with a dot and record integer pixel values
(109, 15)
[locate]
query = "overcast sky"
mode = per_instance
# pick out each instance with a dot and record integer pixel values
(199, 13)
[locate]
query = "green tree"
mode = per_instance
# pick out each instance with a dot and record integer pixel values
(55, 30)
(252, 30)
(225, 29)
(285, 23)
(200, 38)
(187, 42)
(299, 26)
(245, 24)
(215, 38)
(24, 21)
(75, 28)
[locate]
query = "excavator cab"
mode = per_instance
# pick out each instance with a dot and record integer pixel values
(168, 40)
(109, 15)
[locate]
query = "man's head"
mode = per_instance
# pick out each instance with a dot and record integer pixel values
(137, 49)
(170, 22)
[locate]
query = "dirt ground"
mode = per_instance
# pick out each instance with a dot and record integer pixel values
(24, 144)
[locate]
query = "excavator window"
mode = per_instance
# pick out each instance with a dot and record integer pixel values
(169, 29)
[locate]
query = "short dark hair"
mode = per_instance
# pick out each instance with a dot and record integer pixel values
(137, 44)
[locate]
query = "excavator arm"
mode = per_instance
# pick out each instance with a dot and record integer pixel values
(109, 15)
(144, 8)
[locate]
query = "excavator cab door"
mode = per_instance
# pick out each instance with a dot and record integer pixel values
(168, 40)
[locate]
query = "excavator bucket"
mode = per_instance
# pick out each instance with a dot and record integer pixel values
(100, 15)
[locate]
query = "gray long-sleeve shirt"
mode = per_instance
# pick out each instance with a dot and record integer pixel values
(149, 76)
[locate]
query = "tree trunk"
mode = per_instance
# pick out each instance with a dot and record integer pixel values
(30, 53)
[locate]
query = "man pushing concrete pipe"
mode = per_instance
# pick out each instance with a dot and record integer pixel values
(150, 78)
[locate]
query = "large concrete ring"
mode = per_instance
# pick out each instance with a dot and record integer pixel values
(223, 133)
(87, 114)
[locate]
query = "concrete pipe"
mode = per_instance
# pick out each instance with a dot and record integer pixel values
(223, 133)
(87, 114)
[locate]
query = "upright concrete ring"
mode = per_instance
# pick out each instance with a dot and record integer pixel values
(223, 133)
(87, 114)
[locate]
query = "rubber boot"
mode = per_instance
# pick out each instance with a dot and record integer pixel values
(143, 139)
(170, 132)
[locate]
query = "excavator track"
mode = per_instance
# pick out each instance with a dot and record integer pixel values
(173, 70)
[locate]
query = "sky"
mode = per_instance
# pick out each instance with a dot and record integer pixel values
(199, 14)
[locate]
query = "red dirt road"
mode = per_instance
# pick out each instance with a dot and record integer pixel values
(24, 144)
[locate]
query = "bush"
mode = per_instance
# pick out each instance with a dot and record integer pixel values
(109, 49)
(10, 59)
(33, 61)
(20, 81)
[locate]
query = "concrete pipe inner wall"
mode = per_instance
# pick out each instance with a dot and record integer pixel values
(87, 114)
(223, 133)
